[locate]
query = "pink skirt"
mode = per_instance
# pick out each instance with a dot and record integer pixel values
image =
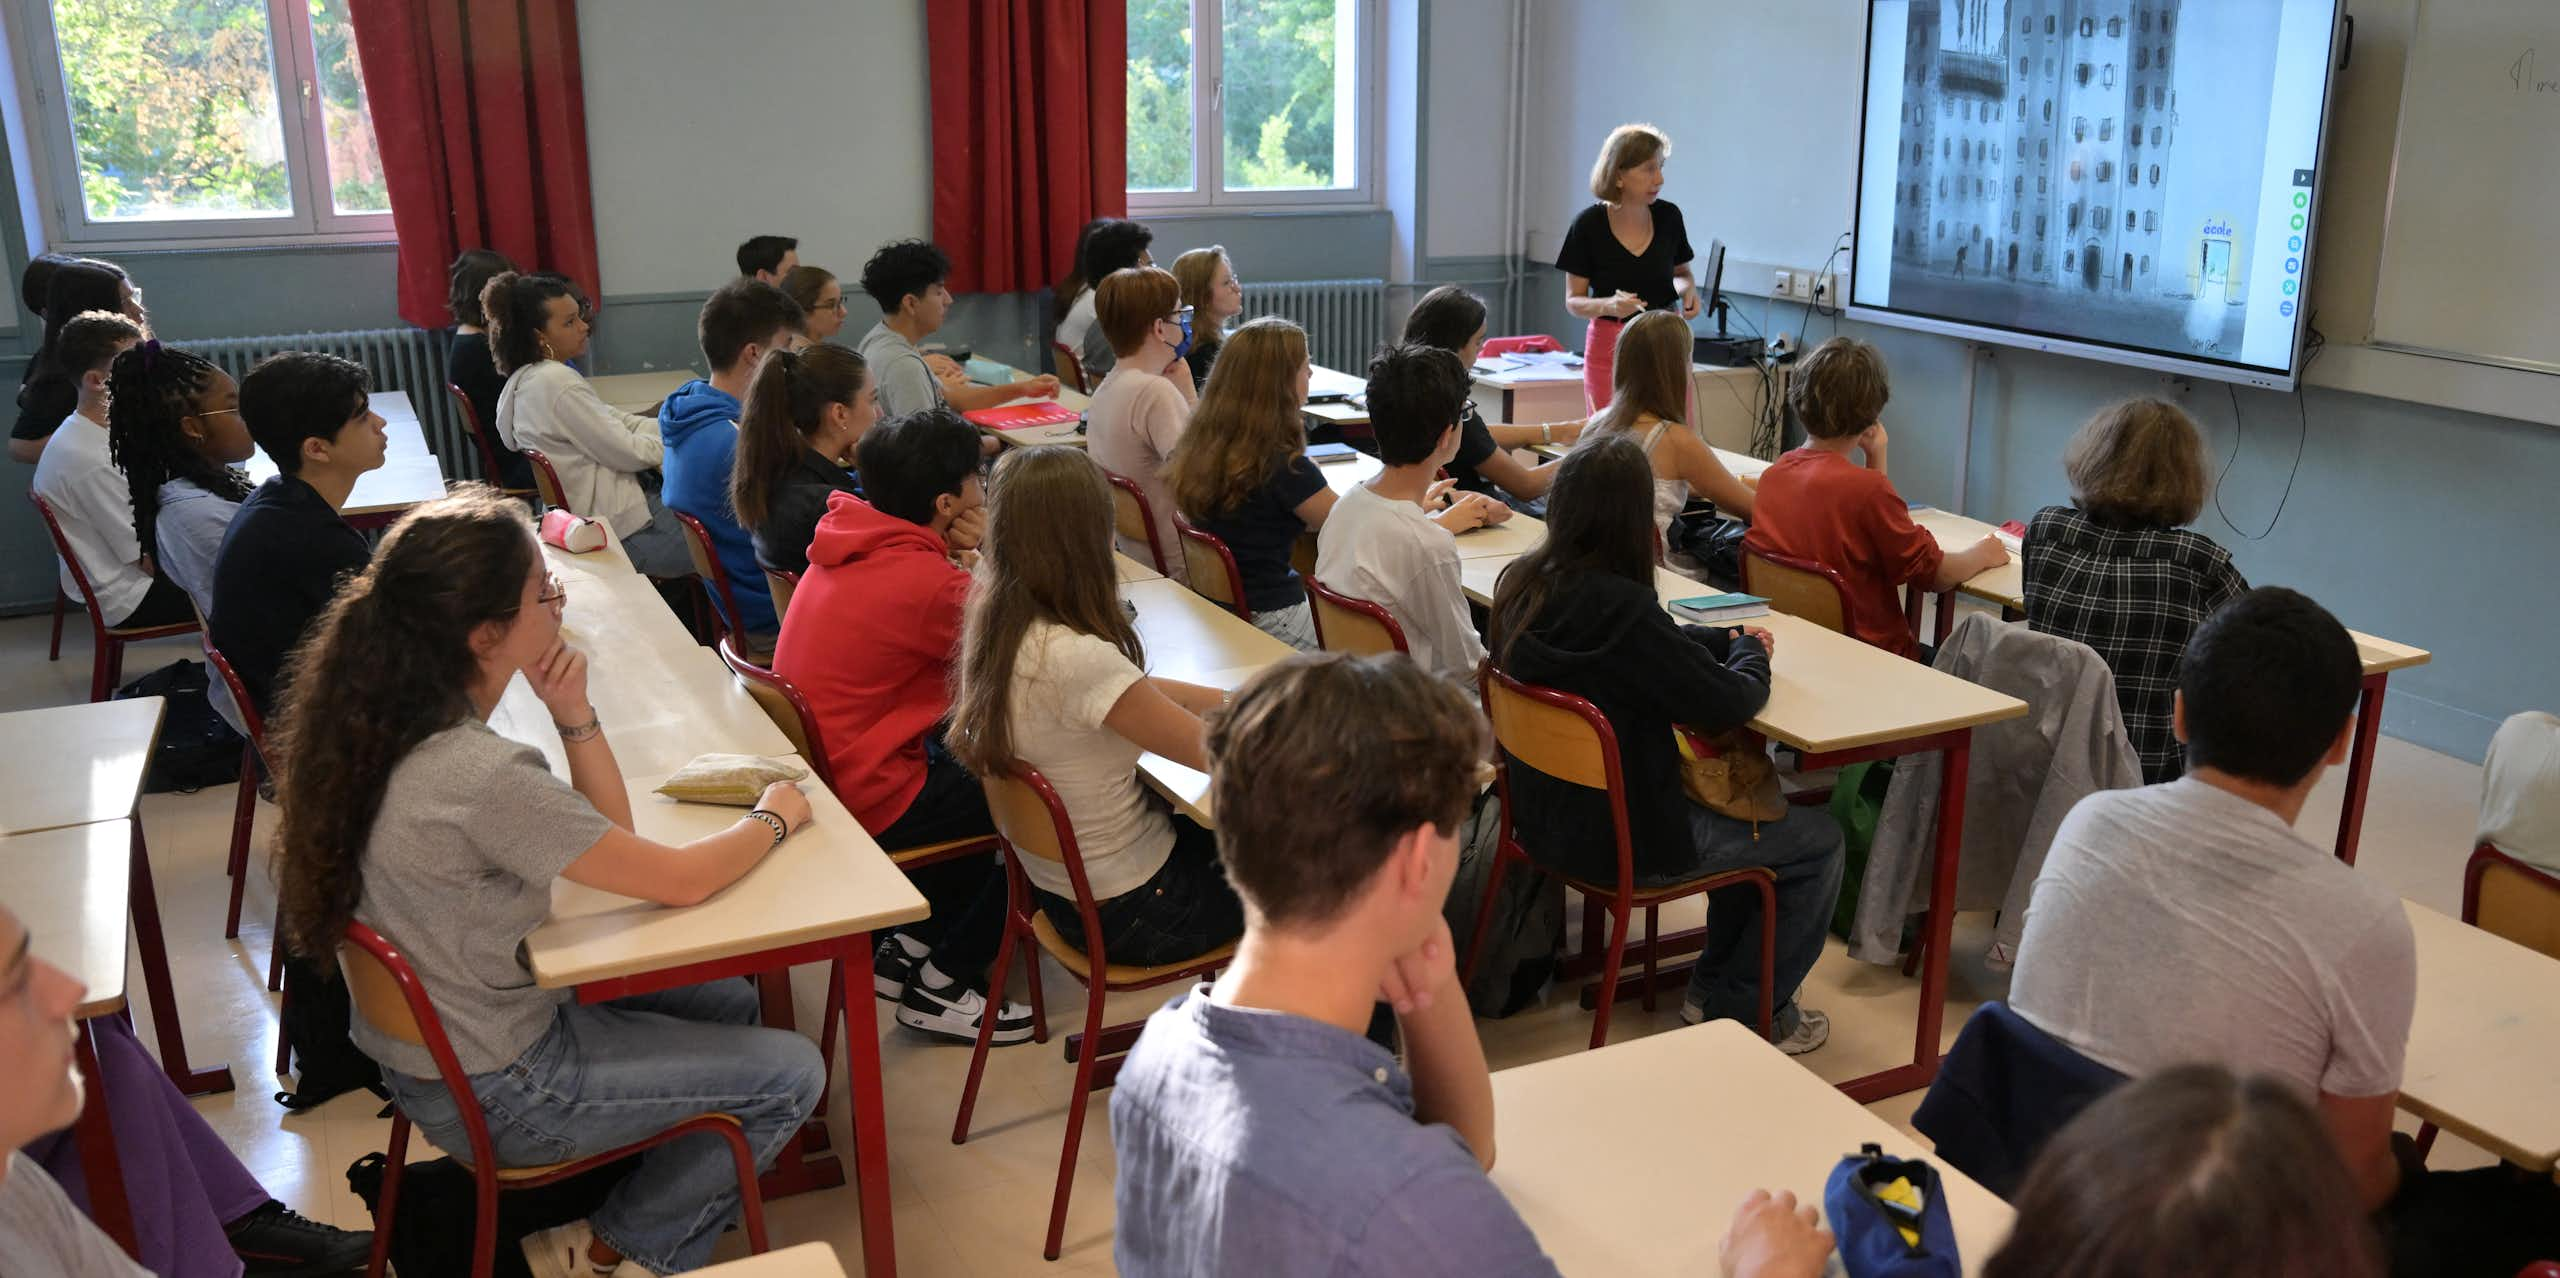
(1599, 361)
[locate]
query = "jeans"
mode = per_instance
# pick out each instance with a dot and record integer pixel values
(968, 893)
(1294, 625)
(658, 548)
(611, 1073)
(1804, 850)
(1186, 910)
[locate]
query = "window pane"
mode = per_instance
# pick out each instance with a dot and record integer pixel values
(355, 159)
(1288, 94)
(173, 108)
(1160, 62)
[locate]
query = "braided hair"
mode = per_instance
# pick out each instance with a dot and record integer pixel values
(150, 388)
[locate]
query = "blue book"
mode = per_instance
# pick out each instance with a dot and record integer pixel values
(1728, 607)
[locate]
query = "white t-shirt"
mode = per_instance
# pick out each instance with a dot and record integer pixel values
(1080, 333)
(1064, 683)
(44, 1236)
(95, 509)
(2520, 790)
(1130, 429)
(1390, 553)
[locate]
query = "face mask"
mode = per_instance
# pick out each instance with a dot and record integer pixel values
(1183, 349)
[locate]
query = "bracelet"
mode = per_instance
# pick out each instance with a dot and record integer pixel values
(781, 829)
(574, 733)
(1546, 432)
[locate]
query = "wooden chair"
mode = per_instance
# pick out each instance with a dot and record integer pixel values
(1211, 567)
(2509, 898)
(546, 481)
(106, 642)
(1797, 587)
(1032, 822)
(1134, 519)
(1357, 626)
(714, 577)
(1070, 367)
(387, 993)
(780, 585)
(1567, 738)
(487, 443)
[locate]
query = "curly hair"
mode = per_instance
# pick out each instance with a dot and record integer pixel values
(386, 666)
(151, 390)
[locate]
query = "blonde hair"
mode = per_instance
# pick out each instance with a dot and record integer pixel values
(1628, 146)
(1651, 376)
(1247, 423)
(1197, 273)
(2139, 462)
(1840, 389)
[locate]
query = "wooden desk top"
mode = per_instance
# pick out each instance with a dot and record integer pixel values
(639, 393)
(1131, 570)
(1350, 472)
(827, 880)
(1509, 539)
(392, 406)
(2006, 585)
(2381, 656)
(1193, 640)
(1567, 1128)
(1067, 396)
(2483, 1041)
(808, 1260)
(71, 765)
(409, 473)
(68, 886)
(1341, 412)
(594, 565)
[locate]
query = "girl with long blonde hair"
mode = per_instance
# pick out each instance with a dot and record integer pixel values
(1650, 404)
(1241, 472)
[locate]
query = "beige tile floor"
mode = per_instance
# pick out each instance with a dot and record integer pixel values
(981, 1208)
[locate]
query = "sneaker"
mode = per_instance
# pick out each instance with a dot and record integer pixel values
(279, 1241)
(954, 1011)
(1813, 1029)
(561, 1252)
(893, 964)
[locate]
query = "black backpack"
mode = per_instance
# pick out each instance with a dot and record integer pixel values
(197, 748)
(432, 1234)
(316, 1018)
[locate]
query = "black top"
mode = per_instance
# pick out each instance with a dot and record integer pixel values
(469, 365)
(1607, 640)
(280, 564)
(1592, 252)
(1262, 531)
(1203, 353)
(42, 404)
(1475, 447)
(793, 508)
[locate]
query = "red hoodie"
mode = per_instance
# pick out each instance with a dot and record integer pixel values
(868, 640)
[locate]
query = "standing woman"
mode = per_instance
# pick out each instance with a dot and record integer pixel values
(820, 297)
(1627, 254)
(467, 361)
(1214, 294)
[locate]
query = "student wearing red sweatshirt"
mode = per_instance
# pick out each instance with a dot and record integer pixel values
(868, 641)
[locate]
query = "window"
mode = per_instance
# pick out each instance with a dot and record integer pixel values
(2150, 222)
(2142, 58)
(1249, 103)
(2106, 170)
(236, 121)
(2027, 25)
(2015, 220)
(2071, 218)
(2048, 24)
(2155, 169)
(1947, 108)
(2078, 171)
(2108, 80)
(2088, 27)
(2107, 129)
(2128, 219)
(2081, 73)
(2146, 264)
(2079, 128)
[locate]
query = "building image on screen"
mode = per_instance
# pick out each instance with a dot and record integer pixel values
(2088, 168)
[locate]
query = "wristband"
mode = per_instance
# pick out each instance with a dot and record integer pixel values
(574, 733)
(781, 829)
(1546, 432)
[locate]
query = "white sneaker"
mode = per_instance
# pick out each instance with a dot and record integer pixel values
(954, 1012)
(561, 1252)
(1813, 1029)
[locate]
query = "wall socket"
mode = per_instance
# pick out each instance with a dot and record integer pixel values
(1807, 286)
(1783, 284)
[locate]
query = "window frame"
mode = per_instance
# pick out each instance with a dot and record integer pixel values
(1208, 194)
(312, 219)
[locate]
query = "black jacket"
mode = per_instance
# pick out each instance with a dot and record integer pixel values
(793, 508)
(1608, 641)
(281, 562)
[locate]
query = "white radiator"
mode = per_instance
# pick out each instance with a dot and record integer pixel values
(401, 359)
(1345, 319)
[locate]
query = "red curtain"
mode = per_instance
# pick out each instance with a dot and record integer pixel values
(482, 118)
(1030, 117)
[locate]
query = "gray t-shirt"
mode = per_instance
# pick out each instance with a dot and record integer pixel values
(43, 1236)
(906, 383)
(472, 831)
(2180, 922)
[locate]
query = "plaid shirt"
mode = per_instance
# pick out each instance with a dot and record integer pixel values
(2136, 595)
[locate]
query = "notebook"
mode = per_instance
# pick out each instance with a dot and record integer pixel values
(1328, 454)
(1038, 412)
(1731, 607)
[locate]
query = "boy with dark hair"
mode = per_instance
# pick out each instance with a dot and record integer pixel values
(1106, 245)
(1379, 544)
(767, 258)
(906, 279)
(868, 642)
(1816, 504)
(78, 478)
(698, 424)
(288, 548)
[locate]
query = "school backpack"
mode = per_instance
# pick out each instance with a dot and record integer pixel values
(436, 1213)
(316, 1020)
(1527, 927)
(197, 748)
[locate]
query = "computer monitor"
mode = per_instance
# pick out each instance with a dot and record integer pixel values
(1714, 284)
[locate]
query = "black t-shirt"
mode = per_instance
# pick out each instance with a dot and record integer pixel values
(281, 562)
(1204, 353)
(42, 404)
(1475, 447)
(1592, 252)
(1262, 531)
(469, 365)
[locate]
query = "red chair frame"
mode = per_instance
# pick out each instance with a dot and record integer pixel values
(546, 481)
(1618, 900)
(1086, 1049)
(1318, 592)
(487, 443)
(1210, 542)
(244, 815)
(1070, 367)
(1146, 513)
(708, 569)
(482, 1159)
(106, 664)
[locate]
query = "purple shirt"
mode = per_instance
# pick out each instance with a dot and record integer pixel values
(1260, 1142)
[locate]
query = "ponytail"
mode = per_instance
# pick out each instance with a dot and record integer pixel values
(786, 404)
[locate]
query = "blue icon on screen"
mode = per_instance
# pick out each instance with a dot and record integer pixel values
(2286, 310)
(2294, 244)
(2292, 264)
(2289, 287)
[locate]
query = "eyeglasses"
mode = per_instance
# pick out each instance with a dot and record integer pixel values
(836, 304)
(554, 590)
(1181, 315)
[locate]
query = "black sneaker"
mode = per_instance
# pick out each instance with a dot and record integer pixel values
(955, 1010)
(893, 964)
(279, 1242)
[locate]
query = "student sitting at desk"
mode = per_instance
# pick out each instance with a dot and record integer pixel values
(1106, 247)
(1649, 404)
(869, 642)
(405, 811)
(1240, 472)
(1052, 675)
(48, 393)
(1141, 408)
(1214, 294)
(2189, 922)
(805, 413)
(905, 277)
(698, 426)
(174, 429)
(821, 299)
(1452, 319)
(78, 479)
(1579, 614)
(767, 258)
(468, 362)
(607, 459)
(2520, 790)
(1815, 504)
(2118, 570)
(1378, 543)
(288, 549)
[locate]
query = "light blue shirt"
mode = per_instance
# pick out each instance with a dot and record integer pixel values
(186, 537)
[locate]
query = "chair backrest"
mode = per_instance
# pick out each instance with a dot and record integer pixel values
(2510, 898)
(1797, 587)
(1032, 822)
(387, 993)
(783, 704)
(1357, 626)
(62, 547)
(1070, 368)
(707, 566)
(1133, 518)
(546, 481)
(780, 585)
(479, 433)
(249, 716)
(1564, 737)
(1211, 567)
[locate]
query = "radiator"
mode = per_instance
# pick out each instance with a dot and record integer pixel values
(401, 359)
(1345, 319)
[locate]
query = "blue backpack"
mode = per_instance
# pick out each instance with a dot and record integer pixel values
(1869, 1227)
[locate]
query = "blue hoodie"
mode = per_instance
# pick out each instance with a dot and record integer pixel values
(699, 424)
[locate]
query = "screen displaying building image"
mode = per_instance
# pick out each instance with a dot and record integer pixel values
(2102, 171)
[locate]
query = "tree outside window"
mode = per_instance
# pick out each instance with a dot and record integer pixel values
(1245, 98)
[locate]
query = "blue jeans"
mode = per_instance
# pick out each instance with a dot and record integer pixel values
(1804, 850)
(612, 1073)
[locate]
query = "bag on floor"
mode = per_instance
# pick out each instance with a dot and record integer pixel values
(1890, 1217)
(326, 1061)
(432, 1233)
(1857, 801)
(197, 748)
(1527, 928)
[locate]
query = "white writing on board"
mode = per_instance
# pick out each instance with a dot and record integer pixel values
(2522, 76)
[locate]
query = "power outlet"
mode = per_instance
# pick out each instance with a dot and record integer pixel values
(1783, 284)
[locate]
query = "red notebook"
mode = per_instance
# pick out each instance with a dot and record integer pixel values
(1039, 412)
